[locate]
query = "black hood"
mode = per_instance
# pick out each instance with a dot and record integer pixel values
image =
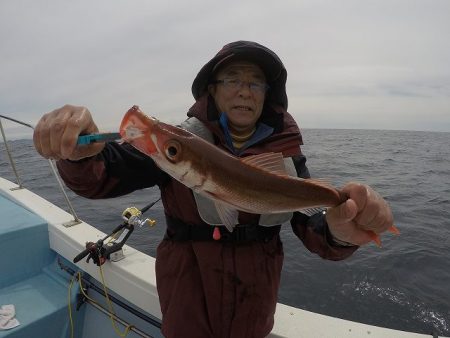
(269, 62)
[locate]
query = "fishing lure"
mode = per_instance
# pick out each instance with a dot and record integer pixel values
(101, 137)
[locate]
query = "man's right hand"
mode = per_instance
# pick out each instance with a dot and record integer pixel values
(56, 134)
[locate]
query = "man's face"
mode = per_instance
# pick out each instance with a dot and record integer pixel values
(242, 103)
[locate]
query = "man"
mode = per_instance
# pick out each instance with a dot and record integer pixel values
(211, 287)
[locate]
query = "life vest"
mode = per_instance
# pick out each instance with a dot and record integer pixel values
(206, 208)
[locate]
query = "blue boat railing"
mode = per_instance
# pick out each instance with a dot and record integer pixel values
(75, 220)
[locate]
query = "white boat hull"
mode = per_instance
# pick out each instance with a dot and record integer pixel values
(133, 278)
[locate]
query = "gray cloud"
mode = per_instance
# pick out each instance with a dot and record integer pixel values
(352, 63)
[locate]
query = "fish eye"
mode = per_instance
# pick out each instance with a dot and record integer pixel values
(172, 150)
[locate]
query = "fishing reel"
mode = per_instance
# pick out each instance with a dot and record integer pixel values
(100, 251)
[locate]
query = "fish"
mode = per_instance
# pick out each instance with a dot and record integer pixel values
(256, 184)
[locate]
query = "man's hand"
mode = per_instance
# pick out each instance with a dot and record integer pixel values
(56, 134)
(364, 210)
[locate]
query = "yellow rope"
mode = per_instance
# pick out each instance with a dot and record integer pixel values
(70, 305)
(82, 289)
(110, 307)
(108, 301)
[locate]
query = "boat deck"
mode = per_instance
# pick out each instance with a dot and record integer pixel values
(29, 279)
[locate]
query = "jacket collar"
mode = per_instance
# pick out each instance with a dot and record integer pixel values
(286, 136)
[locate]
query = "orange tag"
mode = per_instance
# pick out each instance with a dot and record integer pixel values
(216, 233)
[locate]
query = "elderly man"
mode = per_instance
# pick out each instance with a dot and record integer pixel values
(218, 286)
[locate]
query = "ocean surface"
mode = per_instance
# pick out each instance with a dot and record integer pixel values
(403, 285)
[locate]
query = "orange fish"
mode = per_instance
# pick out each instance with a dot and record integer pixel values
(256, 184)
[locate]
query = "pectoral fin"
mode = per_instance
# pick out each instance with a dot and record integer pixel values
(227, 214)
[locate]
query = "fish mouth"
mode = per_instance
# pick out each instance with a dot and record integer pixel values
(131, 132)
(136, 129)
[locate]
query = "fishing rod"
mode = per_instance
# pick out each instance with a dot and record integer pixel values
(11, 161)
(100, 251)
(82, 140)
(17, 121)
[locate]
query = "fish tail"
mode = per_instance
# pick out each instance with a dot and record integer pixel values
(393, 229)
(374, 237)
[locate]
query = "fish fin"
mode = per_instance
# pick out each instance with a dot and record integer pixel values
(271, 162)
(228, 215)
(374, 237)
(393, 229)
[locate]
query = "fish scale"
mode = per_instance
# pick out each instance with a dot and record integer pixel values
(256, 184)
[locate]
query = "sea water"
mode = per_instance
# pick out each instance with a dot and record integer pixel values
(403, 285)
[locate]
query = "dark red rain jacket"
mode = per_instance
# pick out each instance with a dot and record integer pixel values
(207, 288)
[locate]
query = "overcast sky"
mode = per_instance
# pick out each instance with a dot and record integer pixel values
(381, 64)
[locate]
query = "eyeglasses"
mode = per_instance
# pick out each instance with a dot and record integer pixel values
(236, 84)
